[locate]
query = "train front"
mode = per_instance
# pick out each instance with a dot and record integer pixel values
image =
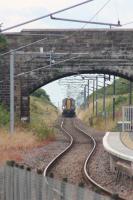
(68, 107)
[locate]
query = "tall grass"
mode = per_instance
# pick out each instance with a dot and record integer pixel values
(4, 116)
(42, 130)
(13, 147)
(43, 116)
(100, 122)
(27, 136)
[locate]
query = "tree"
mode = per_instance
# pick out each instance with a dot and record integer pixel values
(41, 94)
(3, 43)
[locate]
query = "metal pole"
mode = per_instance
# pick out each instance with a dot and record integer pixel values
(130, 92)
(84, 21)
(22, 47)
(93, 96)
(50, 58)
(12, 92)
(96, 95)
(85, 96)
(114, 99)
(88, 92)
(104, 91)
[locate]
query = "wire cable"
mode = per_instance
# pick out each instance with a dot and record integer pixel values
(22, 47)
(52, 64)
(66, 37)
(97, 13)
(47, 66)
(45, 16)
(116, 8)
(127, 23)
(99, 10)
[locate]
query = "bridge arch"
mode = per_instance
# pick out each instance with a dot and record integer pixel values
(77, 52)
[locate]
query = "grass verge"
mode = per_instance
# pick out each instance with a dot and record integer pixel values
(27, 136)
(99, 122)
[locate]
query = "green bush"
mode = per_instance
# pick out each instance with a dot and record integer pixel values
(41, 94)
(4, 116)
(121, 87)
(3, 43)
(42, 131)
(120, 99)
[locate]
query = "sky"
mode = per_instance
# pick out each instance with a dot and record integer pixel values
(14, 12)
(19, 11)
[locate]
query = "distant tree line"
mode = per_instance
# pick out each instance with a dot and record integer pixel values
(122, 87)
(3, 43)
(41, 93)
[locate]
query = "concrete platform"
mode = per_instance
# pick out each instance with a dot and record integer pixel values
(127, 139)
(113, 144)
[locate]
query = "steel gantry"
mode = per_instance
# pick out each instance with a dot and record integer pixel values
(85, 81)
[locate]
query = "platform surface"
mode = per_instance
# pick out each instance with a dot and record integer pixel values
(127, 139)
(113, 144)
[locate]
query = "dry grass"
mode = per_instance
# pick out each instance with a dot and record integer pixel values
(42, 111)
(99, 122)
(104, 125)
(12, 146)
(26, 137)
(43, 116)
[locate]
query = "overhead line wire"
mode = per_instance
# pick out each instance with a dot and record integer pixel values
(34, 70)
(22, 47)
(68, 59)
(45, 16)
(65, 37)
(116, 8)
(56, 13)
(131, 22)
(97, 12)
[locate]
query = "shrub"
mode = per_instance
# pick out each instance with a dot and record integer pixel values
(4, 116)
(41, 94)
(42, 131)
(120, 99)
(3, 43)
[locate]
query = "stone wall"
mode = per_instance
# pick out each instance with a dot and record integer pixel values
(89, 51)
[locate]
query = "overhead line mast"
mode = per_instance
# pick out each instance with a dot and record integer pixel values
(87, 22)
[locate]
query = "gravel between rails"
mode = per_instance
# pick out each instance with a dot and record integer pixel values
(40, 157)
(98, 168)
(70, 166)
(100, 171)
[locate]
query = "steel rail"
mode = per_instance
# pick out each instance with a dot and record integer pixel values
(50, 164)
(85, 171)
(86, 174)
(60, 154)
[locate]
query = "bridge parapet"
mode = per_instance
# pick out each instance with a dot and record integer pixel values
(72, 52)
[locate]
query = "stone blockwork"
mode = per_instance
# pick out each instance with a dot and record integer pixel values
(84, 51)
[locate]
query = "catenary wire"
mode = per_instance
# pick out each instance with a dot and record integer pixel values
(116, 8)
(61, 38)
(127, 23)
(45, 16)
(97, 13)
(47, 66)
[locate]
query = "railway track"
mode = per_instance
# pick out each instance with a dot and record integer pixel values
(62, 161)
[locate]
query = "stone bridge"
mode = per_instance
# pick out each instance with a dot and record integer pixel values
(63, 53)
